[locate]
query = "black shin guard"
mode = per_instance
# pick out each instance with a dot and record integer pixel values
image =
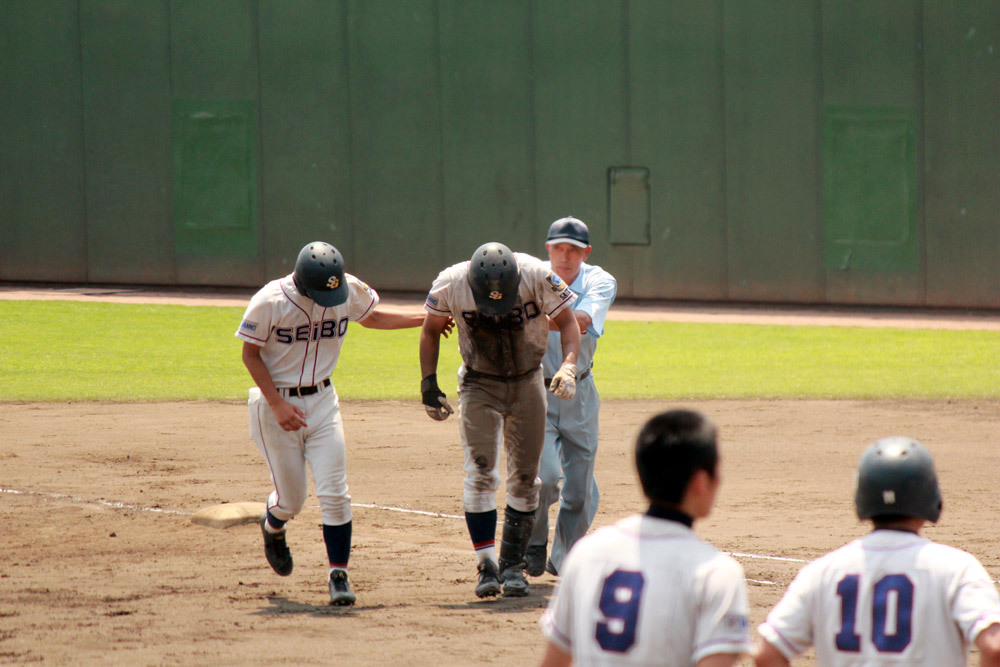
(516, 531)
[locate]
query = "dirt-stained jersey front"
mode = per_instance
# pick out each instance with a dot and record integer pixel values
(301, 340)
(502, 346)
(889, 598)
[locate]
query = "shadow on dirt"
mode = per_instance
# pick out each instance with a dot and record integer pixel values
(537, 599)
(281, 606)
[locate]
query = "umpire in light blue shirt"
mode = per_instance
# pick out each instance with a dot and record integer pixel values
(571, 425)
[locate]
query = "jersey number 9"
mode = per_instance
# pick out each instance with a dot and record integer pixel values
(620, 597)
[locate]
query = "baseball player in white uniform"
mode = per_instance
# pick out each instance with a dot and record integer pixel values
(646, 590)
(292, 333)
(501, 303)
(571, 426)
(892, 597)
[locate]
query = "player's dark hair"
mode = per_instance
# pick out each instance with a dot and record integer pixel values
(671, 447)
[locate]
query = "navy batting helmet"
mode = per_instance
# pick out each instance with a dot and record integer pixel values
(494, 278)
(319, 274)
(569, 230)
(896, 477)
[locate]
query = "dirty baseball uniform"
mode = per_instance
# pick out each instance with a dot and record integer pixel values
(500, 382)
(301, 343)
(889, 598)
(647, 591)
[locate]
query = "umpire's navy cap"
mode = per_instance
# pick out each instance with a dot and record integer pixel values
(569, 230)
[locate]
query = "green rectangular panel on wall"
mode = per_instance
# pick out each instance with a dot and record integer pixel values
(580, 90)
(396, 189)
(215, 180)
(126, 93)
(305, 130)
(487, 135)
(677, 121)
(42, 205)
(961, 148)
(773, 115)
(628, 205)
(870, 190)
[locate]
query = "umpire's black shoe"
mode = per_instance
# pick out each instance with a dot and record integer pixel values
(489, 579)
(340, 589)
(550, 568)
(276, 550)
(534, 559)
(515, 584)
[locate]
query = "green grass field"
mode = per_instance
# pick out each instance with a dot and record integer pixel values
(86, 351)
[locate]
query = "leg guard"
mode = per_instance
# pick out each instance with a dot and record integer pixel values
(516, 531)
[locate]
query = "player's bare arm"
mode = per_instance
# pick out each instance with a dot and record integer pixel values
(719, 660)
(556, 657)
(582, 319)
(393, 318)
(988, 643)
(434, 400)
(765, 655)
(288, 416)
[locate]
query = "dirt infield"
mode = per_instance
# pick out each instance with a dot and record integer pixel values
(102, 564)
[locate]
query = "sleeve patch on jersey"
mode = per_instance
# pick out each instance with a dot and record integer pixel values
(556, 282)
(247, 325)
(735, 622)
(431, 300)
(366, 288)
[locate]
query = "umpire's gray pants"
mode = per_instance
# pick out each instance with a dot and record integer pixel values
(511, 412)
(571, 429)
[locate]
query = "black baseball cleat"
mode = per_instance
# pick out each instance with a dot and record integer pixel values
(340, 589)
(534, 560)
(489, 579)
(515, 584)
(550, 568)
(276, 549)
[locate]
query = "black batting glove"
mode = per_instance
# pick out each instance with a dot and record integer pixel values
(434, 400)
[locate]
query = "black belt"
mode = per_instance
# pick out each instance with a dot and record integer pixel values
(548, 381)
(473, 375)
(304, 391)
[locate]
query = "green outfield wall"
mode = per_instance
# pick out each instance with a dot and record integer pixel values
(799, 151)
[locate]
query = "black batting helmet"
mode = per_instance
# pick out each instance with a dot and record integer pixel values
(319, 274)
(494, 278)
(569, 230)
(896, 477)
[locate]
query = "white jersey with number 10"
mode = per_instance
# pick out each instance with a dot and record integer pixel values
(889, 598)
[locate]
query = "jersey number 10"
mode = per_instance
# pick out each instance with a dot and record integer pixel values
(882, 613)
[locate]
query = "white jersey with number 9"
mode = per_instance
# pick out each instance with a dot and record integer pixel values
(647, 591)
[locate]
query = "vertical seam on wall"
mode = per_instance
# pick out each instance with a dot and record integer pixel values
(820, 159)
(626, 10)
(260, 152)
(919, 150)
(532, 134)
(346, 36)
(725, 151)
(83, 144)
(170, 171)
(442, 173)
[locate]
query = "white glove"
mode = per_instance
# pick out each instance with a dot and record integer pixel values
(564, 381)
